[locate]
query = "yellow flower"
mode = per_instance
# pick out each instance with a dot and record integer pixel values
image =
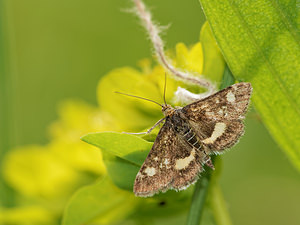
(76, 119)
(191, 60)
(26, 215)
(50, 174)
(35, 171)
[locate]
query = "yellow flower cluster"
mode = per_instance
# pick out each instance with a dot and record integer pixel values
(44, 177)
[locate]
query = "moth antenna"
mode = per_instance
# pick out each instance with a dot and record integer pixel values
(165, 88)
(146, 99)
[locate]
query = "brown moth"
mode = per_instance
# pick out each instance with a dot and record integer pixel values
(189, 136)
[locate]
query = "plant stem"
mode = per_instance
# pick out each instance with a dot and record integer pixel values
(216, 199)
(218, 206)
(202, 187)
(198, 200)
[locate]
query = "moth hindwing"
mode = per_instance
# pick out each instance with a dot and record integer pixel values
(189, 136)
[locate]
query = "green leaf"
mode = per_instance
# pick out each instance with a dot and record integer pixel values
(227, 79)
(260, 42)
(128, 147)
(165, 208)
(214, 64)
(121, 172)
(123, 155)
(101, 201)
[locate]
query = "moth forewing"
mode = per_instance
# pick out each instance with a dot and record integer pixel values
(228, 104)
(218, 119)
(171, 164)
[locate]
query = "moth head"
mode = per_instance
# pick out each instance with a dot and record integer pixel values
(167, 110)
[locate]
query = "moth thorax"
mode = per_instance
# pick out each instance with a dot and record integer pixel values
(167, 110)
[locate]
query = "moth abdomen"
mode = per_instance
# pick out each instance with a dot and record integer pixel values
(191, 137)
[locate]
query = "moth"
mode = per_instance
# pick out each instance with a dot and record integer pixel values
(189, 136)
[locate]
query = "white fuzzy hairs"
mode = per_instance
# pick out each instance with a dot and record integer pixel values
(153, 31)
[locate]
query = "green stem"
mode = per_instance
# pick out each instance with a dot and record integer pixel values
(218, 206)
(200, 193)
(198, 200)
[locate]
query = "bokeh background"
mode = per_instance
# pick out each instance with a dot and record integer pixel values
(56, 50)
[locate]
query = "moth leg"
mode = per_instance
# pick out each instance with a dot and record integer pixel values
(148, 131)
(208, 162)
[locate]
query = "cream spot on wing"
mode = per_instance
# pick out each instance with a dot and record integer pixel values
(156, 158)
(218, 131)
(220, 112)
(150, 171)
(183, 163)
(230, 97)
(217, 101)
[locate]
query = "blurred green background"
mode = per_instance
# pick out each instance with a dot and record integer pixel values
(60, 49)
(53, 50)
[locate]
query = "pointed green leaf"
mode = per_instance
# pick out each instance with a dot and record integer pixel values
(128, 147)
(121, 172)
(123, 155)
(260, 41)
